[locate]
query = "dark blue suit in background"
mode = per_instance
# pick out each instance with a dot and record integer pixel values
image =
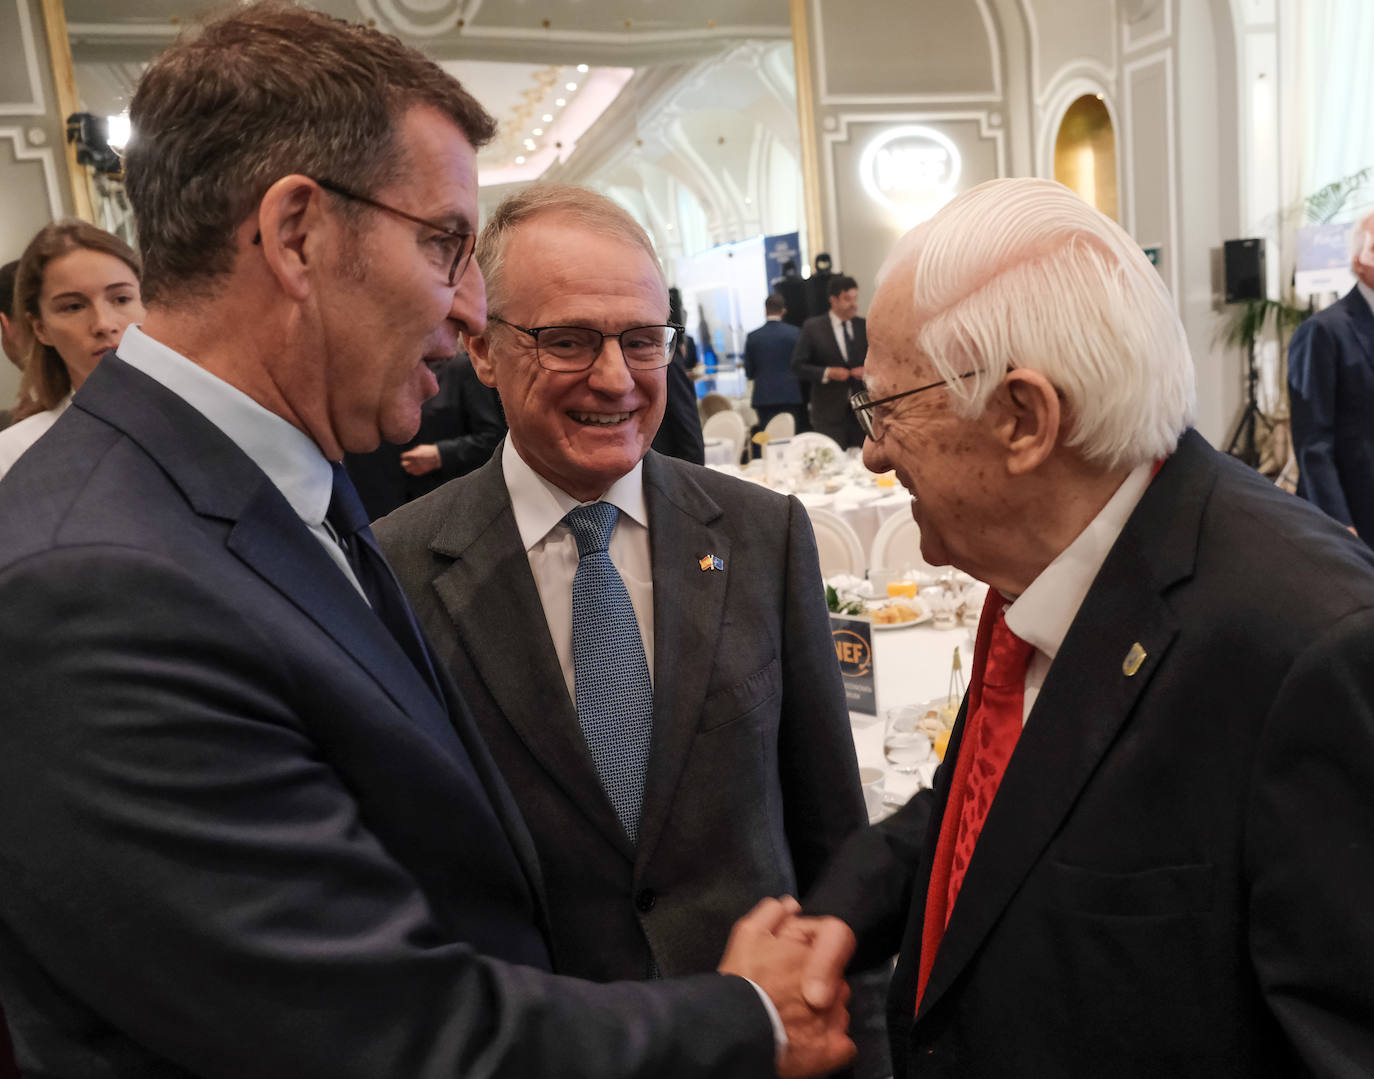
(768, 361)
(1331, 390)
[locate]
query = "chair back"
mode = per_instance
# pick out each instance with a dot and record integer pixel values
(713, 403)
(813, 440)
(730, 426)
(837, 544)
(897, 546)
(783, 425)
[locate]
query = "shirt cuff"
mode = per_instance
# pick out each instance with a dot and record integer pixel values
(779, 1031)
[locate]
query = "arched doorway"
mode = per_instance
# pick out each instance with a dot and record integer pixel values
(1085, 153)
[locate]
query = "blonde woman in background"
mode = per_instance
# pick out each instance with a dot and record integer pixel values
(77, 290)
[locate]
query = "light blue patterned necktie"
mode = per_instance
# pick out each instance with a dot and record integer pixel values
(614, 696)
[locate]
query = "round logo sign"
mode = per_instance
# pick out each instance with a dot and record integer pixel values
(852, 652)
(911, 170)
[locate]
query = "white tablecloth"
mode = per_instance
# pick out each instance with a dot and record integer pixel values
(858, 501)
(911, 665)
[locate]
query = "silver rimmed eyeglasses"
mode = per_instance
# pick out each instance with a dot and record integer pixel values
(575, 348)
(863, 406)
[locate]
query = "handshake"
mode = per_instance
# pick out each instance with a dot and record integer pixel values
(799, 962)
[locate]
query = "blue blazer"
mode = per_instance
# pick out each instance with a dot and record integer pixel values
(239, 834)
(1331, 392)
(768, 361)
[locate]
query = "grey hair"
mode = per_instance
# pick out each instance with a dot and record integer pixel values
(1024, 274)
(580, 205)
(1355, 238)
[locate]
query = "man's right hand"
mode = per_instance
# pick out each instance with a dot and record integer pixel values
(802, 971)
(837, 374)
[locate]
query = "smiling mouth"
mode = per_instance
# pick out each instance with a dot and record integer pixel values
(600, 419)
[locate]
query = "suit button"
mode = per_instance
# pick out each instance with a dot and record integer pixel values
(645, 900)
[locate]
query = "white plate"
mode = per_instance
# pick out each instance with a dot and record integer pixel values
(926, 615)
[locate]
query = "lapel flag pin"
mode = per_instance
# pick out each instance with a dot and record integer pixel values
(1134, 658)
(710, 562)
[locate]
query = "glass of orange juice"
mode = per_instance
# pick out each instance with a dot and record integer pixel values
(903, 588)
(886, 479)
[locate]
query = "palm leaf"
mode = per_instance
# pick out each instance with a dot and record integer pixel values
(1324, 205)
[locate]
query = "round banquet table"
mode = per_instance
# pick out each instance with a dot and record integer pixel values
(720, 451)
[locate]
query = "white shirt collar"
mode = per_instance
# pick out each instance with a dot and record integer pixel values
(539, 505)
(1042, 614)
(290, 458)
(836, 321)
(1367, 293)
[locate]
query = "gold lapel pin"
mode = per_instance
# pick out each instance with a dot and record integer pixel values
(1134, 658)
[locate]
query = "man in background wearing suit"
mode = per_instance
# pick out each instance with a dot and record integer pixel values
(460, 426)
(1147, 851)
(768, 362)
(719, 767)
(1331, 388)
(247, 826)
(830, 355)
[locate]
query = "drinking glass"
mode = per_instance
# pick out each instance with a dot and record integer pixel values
(905, 745)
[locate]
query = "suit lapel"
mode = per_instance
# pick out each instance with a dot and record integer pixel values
(689, 604)
(1089, 695)
(220, 481)
(1361, 320)
(489, 594)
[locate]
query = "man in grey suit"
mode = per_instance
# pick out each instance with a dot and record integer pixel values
(830, 356)
(737, 747)
(247, 824)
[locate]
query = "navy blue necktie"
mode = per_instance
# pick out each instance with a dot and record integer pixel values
(848, 339)
(348, 521)
(614, 696)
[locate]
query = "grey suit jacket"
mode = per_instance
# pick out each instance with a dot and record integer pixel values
(752, 781)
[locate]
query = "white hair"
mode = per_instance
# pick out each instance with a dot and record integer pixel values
(1023, 273)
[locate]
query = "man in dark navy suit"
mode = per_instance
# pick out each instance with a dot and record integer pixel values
(830, 356)
(768, 361)
(247, 825)
(1331, 390)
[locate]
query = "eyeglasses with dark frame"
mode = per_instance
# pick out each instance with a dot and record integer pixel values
(575, 348)
(863, 405)
(466, 240)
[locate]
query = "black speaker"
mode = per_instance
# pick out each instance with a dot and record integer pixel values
(1244, 270)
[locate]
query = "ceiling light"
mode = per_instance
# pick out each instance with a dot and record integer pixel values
(561, 102)
(520, 160)
(117, 131)
(529, 144)
(537, 131)
(581, 69)
(548, 117)
(669, 226)
(571, 87)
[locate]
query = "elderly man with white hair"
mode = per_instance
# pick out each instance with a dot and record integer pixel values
(1331, 387)
(1148, 851)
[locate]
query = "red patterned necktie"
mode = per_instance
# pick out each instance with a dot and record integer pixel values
(993, 724)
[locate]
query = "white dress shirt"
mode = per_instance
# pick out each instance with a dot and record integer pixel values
(837, 326)
(552, 550)
(286, 454)
(1042, 614)
(16, 439)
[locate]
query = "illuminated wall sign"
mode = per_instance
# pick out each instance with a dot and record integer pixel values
(911, 171)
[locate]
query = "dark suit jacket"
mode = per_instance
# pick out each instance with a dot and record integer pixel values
(1331, 390)
(239, 834)
(752, 782)
(463, 421)
(1174, 877)
(679, 435)
(816, 350)
(768, 361)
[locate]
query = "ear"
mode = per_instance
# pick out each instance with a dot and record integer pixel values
(41, 334)
(292, 224)
(479, 351)
(1027, 418)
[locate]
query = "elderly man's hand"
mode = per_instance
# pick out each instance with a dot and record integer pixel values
(799, 963)
(420, 459)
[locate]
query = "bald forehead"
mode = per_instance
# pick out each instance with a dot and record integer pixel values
(892, 352)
